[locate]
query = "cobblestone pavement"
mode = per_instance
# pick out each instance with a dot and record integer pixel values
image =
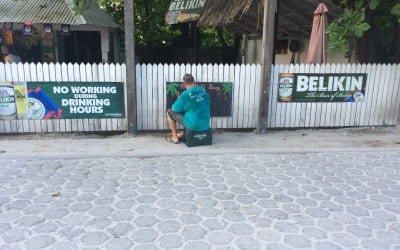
(250, 201)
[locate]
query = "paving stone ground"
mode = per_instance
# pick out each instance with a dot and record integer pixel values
(336, 200)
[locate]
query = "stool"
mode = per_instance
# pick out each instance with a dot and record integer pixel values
(198, 138)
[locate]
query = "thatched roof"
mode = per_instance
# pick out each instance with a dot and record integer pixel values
(219, 12)
(246, 16)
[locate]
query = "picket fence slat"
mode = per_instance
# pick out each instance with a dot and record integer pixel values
(396, 103)
(8, 75)
(226, 121)
(358, 106)
(297, 106)
(219, 75)
(374, 95)
(145, 97)
(318, 105)
(159, 102)
(389, 102)
(153, 87)
(384, 93)
(387, 117)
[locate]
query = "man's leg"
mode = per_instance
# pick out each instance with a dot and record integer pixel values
(172, 119)
(172, 126)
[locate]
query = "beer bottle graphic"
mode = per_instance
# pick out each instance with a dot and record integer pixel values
(8, 108)
(285, 90)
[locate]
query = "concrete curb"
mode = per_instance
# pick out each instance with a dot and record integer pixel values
(153, 145)
(155, 154)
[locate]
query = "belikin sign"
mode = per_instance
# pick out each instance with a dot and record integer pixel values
(181, 11)
(305, 87)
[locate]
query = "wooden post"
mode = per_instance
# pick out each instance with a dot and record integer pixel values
(195, 31)
(267, 56)
(129, 18)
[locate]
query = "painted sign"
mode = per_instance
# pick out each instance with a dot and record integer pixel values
(66, 100)
(305, 87)
(220, 96)
(8, 107)
(181, 11)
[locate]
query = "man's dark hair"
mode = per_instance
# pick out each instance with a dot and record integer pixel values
(188, 78)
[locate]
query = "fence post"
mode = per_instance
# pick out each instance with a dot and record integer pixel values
(130, 66)
(267, 47)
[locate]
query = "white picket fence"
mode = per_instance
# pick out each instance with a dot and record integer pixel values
(381, 106)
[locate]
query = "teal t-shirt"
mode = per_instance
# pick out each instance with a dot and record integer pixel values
(194, 103)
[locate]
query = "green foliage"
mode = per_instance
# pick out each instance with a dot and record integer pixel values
(396, 12)
(337, 37)
(352, 23)
(344, 30)
(209, 37)
(227, 88)
(80, 6)
(150, 23)
(373, 4)
(150, 26)
(114, 7)
(172, 89)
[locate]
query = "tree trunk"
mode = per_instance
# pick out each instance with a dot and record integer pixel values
(130, 65)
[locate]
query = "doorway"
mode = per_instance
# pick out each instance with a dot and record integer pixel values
(80, 47)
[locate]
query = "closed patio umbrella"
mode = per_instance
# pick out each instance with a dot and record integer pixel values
(316, 53)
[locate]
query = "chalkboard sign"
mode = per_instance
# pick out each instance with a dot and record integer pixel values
(220, 96)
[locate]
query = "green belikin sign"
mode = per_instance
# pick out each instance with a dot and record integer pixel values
(74, 100)
(181, 11)
(305, 87)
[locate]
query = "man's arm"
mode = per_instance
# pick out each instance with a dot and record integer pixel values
(178, 105)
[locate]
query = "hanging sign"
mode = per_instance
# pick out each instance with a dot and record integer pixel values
(65, 30)
(27, 28)
(305, 87)
(47, 28)
(8, 26)
(181, 11)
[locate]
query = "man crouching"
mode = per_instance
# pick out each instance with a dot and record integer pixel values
(191, 109)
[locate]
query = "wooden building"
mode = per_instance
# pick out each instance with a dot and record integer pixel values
(293, 23)
(54, 31)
